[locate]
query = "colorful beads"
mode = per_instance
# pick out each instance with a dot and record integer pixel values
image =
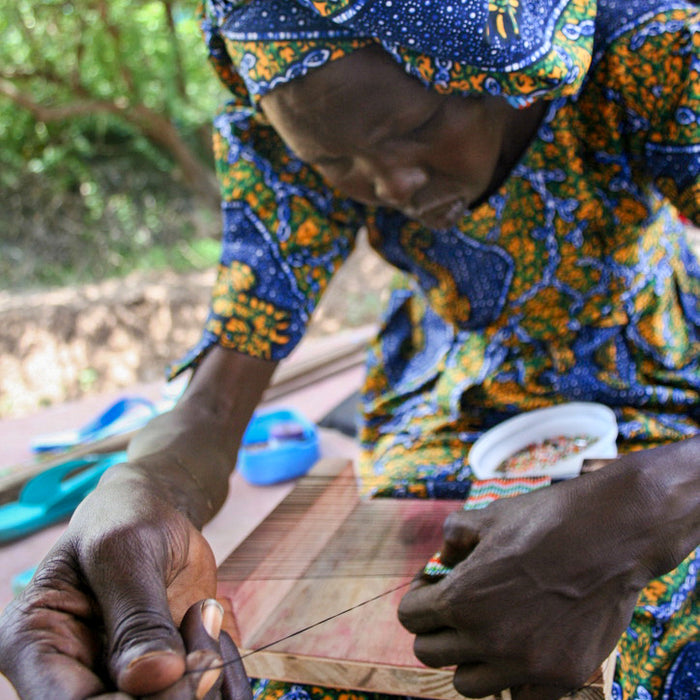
(435, 568)
(486, 491)
(543, 454)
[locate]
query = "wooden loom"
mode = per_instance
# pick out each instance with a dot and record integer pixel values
(321, 552)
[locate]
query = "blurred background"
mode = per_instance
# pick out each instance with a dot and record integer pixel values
(109, 208)
(104, 138)
(109, 230)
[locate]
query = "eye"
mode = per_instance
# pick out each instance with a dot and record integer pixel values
(430, 122)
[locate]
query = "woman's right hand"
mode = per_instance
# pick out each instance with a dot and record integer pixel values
(101, 615)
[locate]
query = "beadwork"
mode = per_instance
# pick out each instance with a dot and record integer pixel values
(435, 567)
(544, 453)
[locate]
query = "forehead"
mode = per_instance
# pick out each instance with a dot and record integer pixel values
(360, 95)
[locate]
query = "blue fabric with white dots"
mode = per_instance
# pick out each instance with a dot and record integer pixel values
(683, 680)
(449, 30)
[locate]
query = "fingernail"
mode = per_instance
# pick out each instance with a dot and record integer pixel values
(151, 656)
(209, 677)
(212, 617)
(138, 677)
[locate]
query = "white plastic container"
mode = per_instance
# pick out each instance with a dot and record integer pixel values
(569, 420)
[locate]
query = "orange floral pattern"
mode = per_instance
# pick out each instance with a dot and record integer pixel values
(520, 50)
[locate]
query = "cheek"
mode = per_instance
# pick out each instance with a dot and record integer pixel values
(470, 155)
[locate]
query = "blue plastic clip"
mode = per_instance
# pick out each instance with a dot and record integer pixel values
(277, 446)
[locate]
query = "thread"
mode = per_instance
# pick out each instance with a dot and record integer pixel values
(304, 629)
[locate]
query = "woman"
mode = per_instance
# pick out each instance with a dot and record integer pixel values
(518, 161)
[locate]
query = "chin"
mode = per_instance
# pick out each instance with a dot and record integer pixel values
(444, 216)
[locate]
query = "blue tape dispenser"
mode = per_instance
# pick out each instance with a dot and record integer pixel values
(277, 445)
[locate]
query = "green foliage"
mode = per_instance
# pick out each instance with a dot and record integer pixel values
(123, 215)
(106, 58)
(84, 87)
(109, 49)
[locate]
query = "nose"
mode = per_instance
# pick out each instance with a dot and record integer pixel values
(396, 184)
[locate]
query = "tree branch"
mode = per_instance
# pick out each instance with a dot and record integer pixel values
(157, 128)
(160, 130)
(180, 85)
(43, 113)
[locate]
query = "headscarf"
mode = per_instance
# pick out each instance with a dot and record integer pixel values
(522, 50)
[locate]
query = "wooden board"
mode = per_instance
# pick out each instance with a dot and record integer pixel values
(320, 553)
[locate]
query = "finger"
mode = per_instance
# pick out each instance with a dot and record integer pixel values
(482, 679)
(201, 625)
(461, 533)
(48, 637)
(236, 685)
(421, 610)
(539, 692)
(200, 682)
(66, 679)
(448, 647)
(200, 628)
(204, 675)
(146, 652)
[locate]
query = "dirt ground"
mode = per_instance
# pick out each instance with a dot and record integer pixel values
(67, 343)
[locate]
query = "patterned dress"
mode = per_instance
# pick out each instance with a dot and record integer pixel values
(574, 281)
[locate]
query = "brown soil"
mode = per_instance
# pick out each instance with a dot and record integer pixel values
(67, 343)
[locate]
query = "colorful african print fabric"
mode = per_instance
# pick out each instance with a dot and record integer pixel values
(665, 621)
(683, 680)
(519, 49)
(574, 281)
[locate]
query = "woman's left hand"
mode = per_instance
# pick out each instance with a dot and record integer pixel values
(544, 584)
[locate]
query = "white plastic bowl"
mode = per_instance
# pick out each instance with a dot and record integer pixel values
(570, 420)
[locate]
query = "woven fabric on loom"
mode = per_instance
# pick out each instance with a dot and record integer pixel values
(485, 491)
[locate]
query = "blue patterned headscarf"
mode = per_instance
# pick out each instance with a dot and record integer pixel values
(520, 49)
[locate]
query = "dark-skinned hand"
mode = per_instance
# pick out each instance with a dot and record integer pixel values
(542, 588)
(101, 617)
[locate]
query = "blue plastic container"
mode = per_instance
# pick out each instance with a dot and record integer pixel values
(277, 445)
